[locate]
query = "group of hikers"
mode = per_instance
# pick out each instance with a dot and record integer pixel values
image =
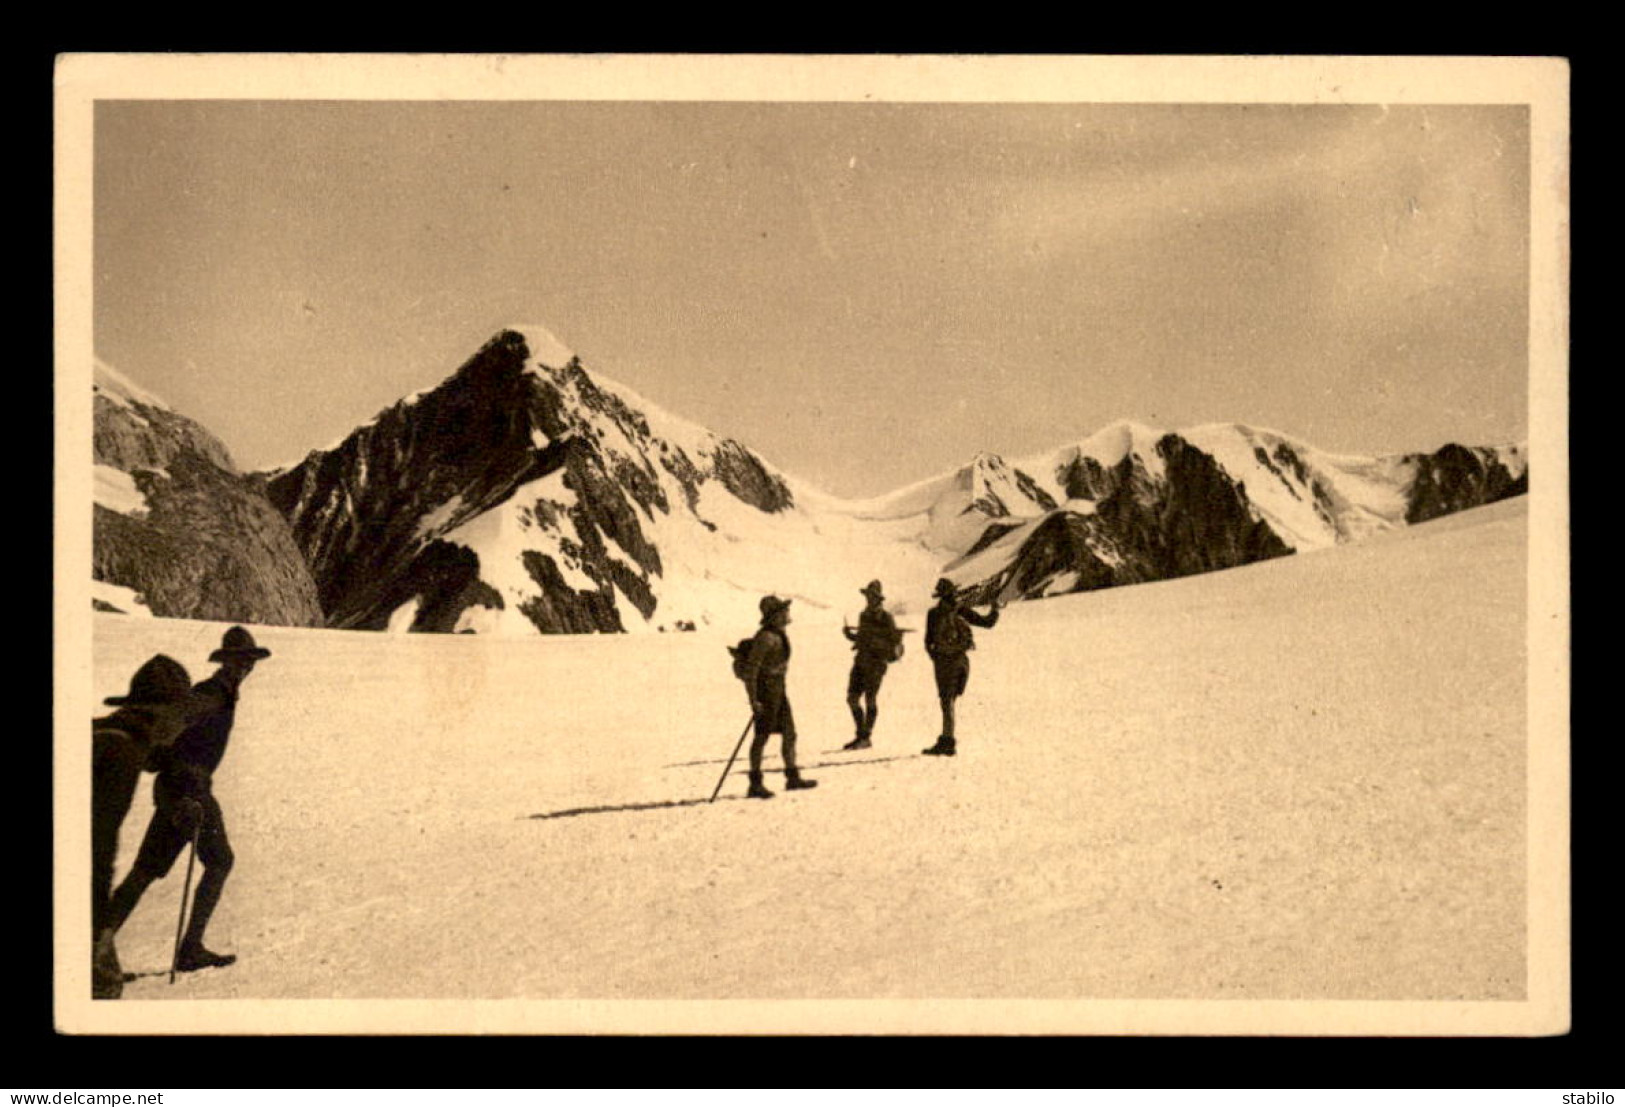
(168, 726)
(877, 642)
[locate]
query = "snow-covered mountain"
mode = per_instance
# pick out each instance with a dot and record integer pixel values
(524, 494)
(177, 530)
(1131, 504)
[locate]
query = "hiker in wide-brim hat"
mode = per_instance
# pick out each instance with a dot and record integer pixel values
(877, 643)
(185, 808)
(763, 671)
(123, 745)
(237, 642)
(948, 639)
(161, 680)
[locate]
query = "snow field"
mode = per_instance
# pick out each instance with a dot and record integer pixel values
(116, 490)
(1303, 779)
(127, 600)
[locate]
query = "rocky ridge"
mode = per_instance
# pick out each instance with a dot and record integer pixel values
(527, 495)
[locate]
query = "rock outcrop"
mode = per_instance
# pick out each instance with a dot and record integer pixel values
(1456, 477)
(177, 524)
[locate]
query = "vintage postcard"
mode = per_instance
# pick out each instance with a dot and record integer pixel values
(812, 545)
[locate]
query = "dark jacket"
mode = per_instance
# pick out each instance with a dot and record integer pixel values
(875, 637)
(187, 768)
(947, 629)
(767, 660)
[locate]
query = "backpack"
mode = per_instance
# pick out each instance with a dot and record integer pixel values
(740, 652)
(952, 634)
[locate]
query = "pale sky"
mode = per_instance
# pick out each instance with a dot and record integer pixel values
(867, 294)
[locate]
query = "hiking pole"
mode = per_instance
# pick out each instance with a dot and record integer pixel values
(186, 892)
(732, 757)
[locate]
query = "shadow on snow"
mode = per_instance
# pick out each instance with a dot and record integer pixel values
(605, 809)
(658, 805)
(817, 765)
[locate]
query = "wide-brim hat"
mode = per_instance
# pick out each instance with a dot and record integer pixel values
(872, 589)
(237, 642)
(945, 587)
(772, 605)
(162, 680)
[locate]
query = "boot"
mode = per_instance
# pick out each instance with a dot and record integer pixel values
(861, 742)
(794, 781)
(106, 976)
(757, 791)
(194, 956)
(943, 748)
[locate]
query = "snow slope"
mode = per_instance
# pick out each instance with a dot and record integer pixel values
(121, 390)
(1300, 779)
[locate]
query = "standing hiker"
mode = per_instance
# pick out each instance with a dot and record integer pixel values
(763, 673)
(876, 641)
(948, 639)
(123, 745)
(185, 805)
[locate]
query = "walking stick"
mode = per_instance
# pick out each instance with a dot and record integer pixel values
(737, 747)
(186, 891)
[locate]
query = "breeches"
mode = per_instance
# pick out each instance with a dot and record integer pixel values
(865, 677)
(775, 717)
(164, 841)
(952, 673)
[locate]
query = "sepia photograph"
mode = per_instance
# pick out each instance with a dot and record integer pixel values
(816, 545)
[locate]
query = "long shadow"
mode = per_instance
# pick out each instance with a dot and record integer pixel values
(860, 761)
(613, 807)
(658, 805)
(820, 765)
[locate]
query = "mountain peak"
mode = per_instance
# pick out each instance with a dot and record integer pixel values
(1115, 441)
(545, 346)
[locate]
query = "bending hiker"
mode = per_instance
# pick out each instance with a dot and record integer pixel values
(877, 643)
(763, 672)
(948, 639)
(124, 744)
(185, 805)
